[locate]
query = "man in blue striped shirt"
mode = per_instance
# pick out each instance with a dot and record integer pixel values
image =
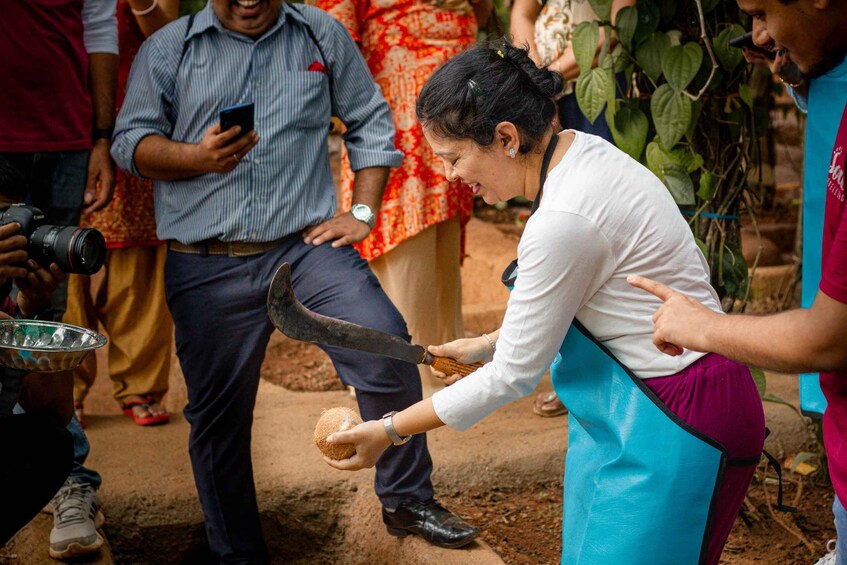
(234, 208)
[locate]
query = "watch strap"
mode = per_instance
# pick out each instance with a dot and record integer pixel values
(102, 133)
(388, 423)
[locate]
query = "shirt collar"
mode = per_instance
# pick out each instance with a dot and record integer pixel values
(207, 19)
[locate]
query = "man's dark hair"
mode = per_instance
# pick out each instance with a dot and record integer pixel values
(471, 93)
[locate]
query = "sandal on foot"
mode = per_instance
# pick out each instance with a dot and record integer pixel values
(547, 404)
(145, 404)
(79, 413)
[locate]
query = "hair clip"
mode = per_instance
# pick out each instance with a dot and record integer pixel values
(474, 87)
(500, 53)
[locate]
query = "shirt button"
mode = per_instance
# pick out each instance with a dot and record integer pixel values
(256, 161)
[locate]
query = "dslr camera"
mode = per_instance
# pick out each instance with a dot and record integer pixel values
(74, 249)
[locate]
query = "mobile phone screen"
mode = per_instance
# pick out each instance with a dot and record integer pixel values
(240, 115)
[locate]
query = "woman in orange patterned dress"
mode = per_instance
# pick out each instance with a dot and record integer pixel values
(416, 244)
(130, 301)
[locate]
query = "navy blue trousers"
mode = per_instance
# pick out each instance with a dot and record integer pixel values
(222, 330)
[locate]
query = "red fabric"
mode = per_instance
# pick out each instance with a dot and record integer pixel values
(403, 42)
(317, 67)
(45, 104)
(834, 285)
(129, 219)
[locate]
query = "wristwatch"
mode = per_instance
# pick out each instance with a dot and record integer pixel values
(101, 133)
(363, 213)
(388, 422)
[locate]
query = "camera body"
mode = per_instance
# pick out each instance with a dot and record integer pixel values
(74, 249)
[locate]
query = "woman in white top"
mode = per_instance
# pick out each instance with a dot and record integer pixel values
(661, 449)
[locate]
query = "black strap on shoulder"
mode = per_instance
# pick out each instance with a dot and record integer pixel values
(545, 164)
(314, 39)
(185, 40)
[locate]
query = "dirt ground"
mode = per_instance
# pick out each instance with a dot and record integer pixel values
(515, 499)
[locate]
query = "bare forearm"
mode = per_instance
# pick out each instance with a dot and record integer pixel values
(159, 158)
(103, 82)
(369, 185)
(796, 341)
(522, 26)
(164, 12)
(417, 419)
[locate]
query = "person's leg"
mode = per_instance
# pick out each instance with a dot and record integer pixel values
(337, 282)
(409, 276)
(840, 515)
(81, 312)
(136, 316)
(38, 455)
(222, 329)
(449, 280)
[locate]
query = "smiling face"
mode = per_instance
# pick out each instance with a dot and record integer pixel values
(249, 17)
(809, 30)
(487, 171)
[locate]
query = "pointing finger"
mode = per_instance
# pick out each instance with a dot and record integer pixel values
(651, 286)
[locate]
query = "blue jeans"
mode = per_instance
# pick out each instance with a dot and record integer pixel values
(219, 307)
(53, 182)
(840, 531)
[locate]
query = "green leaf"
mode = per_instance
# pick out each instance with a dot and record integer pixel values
(651, 53)
(657, 156)
(702, 246)
(728, 56)
(746, 94)
(709, 5)
(625, 24)
(603, 9)
(696, 110)
(679, 184)
(592, 90)
(731, 269)
(681, 64)
(621, 59)
(759, 379)
(768, 397)
(671, 114)
(648, 20)
(629, 129)
(584, 41)
(708, 185)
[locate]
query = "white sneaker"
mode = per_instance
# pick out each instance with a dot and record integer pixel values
(76, 517)
(829, 558)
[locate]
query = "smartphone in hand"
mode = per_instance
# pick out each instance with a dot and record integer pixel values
(746, 42)
(240, 115)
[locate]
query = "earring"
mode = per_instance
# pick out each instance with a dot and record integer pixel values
(512, 152)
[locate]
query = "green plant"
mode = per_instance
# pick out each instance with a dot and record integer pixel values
(686, 112)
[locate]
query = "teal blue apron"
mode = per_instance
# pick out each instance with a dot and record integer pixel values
(825, 92)
(640, 483)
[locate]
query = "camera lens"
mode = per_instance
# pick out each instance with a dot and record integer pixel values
(74, 249)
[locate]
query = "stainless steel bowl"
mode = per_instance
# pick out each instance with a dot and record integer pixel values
(33, 345)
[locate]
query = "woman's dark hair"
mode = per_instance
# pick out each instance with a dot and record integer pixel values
(471, 93)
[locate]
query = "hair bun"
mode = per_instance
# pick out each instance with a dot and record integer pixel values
(547, 82)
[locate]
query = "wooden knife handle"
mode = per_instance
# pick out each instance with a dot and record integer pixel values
(450, 366)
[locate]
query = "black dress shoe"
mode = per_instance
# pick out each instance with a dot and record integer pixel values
(431, 521)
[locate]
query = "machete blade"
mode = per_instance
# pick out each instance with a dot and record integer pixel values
(296, 321)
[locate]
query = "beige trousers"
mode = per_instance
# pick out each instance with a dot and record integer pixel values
(422, 278)
(129, 302)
